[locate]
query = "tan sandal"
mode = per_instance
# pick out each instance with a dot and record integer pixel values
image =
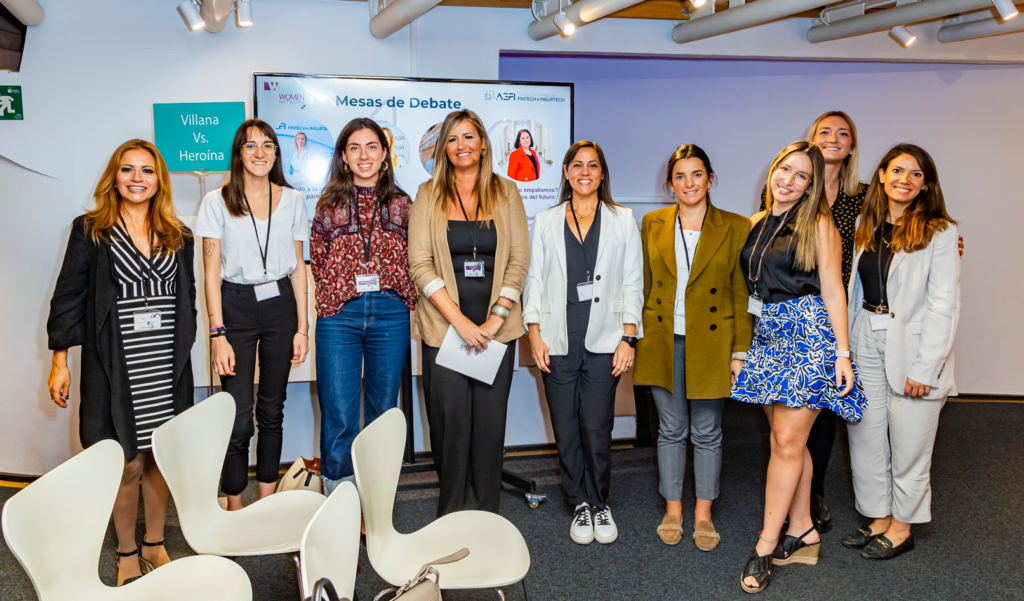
(706, 537)
(671, 530)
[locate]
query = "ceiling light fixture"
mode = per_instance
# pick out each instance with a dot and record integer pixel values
(698, 3)
(190, 15)
(1006, 9)
(902, 35)
(563, 24)
(243, 13)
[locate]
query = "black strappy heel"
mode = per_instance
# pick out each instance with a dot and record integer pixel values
(117, 565)
(147, 566)
(760, 568)
(792, 549)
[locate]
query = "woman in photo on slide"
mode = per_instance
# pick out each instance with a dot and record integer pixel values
(469, 252)
(799, 360)
(126, 294)
(300, 158)
(360, 262)
(696, 335)
(582, 304)
(523, 162)
(253, 228)
(903, 310)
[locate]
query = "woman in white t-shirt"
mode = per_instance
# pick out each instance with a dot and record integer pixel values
(253, 228)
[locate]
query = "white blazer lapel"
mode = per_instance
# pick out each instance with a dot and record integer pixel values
(608, 228)
(558, 236)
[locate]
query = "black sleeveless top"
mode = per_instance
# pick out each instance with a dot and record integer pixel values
(779, 281)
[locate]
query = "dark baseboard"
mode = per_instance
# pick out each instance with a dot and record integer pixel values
(997, 398)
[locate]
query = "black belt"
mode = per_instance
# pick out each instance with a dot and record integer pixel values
(233, 286)
(878, 310)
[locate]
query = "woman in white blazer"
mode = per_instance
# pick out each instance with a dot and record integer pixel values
(904, 302)
(582, 305)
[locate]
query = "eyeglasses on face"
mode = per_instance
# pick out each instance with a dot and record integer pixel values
(250, 147)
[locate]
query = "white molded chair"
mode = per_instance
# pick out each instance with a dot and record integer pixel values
(190, 451)
(497, 552)
(330, 545)
(56, 525)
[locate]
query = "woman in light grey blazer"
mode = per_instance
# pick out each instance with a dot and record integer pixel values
(904, 302)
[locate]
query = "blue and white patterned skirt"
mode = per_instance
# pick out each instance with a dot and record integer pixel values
(792, 361)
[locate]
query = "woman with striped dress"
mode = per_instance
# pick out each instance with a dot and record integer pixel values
(126, 294)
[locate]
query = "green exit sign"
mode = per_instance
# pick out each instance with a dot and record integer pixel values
(197, 136)
(11, 108)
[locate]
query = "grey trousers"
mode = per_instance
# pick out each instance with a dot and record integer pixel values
(700, 420)
(891, 447)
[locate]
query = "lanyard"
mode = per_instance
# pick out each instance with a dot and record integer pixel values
(760, 261)
(270, 214)
(683, 236)
(366, 239)
(576, 223)
(476, 217)
(883, 280)
(144, 261)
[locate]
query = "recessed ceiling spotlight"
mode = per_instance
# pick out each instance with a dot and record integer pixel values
(1006, 9)
(190, 15)
(698, 3)
(902, 35)
(243, 13)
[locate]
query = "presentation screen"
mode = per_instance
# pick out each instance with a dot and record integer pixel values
(529, 125)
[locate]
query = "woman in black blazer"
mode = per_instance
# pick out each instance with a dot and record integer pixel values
(126, 294)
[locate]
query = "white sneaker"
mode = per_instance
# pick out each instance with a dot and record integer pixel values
(604, 526)
(582, 530)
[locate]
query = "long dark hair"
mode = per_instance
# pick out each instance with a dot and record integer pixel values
(925, 217)
(533, 156)
(340, 187)
(604, 189)
(233, 191)
(689, 151)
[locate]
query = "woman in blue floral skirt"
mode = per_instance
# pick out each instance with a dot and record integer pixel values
(799, 362)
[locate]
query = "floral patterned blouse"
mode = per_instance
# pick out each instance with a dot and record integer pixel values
(337, 256)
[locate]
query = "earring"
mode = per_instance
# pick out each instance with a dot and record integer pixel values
(345, 168)
(384, 167)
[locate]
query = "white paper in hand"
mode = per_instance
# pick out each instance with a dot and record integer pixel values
(479, 366)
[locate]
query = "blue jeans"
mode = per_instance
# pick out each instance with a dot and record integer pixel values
(362, 347)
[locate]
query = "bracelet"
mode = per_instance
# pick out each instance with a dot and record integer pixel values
(500, 311)
(215, 328)
(843, 354)
(218, 331)
(218, 335)
(301, 334)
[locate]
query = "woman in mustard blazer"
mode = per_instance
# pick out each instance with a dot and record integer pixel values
(706, 319)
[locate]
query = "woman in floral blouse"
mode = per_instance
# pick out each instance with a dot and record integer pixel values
(359, 257)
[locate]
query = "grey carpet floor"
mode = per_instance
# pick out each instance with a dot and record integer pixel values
(973, 549)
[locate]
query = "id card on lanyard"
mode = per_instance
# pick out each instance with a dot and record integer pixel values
(147, 318)
(681, 303)
(474, 268)
(367, 282)
(266, 290)
(880, 320)
(755, 306)
(584, 290)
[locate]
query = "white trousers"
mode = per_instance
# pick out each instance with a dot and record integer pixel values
(891, 447)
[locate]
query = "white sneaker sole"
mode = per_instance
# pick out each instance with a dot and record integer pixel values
(581, 540)
(606, 541)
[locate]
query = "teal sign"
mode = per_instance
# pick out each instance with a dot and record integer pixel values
(11, 108)
(197, 136)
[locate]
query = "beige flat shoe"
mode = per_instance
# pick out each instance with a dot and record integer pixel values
(671, 530)
(706, 537)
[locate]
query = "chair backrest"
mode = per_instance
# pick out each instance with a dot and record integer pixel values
(56, 525)
(330, 545)
(377, 461)
(190, 451)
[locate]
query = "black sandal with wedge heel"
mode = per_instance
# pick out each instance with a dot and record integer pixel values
(117, 565)
(793, 549)
(759, 567)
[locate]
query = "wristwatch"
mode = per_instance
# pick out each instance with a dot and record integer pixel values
(631, 341)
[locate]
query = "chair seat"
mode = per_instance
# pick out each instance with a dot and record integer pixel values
(187, 579)
(271, 525)
(498, 555)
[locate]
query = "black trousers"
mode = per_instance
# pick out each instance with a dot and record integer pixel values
(819, 443)
(263, 330)
(467, 432)
(581, 400)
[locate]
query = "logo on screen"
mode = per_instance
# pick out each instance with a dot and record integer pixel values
(489, 95)
(270, 86)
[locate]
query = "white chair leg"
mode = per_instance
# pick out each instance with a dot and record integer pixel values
(501, 595)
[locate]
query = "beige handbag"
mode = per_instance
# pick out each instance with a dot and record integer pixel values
(422, 588)
(304, 474)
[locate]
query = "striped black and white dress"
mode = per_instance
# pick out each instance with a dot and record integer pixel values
(149, 353)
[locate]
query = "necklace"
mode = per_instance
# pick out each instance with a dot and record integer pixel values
(581, 218)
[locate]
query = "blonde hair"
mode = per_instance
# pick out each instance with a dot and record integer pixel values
(163, 219)
(809, 209)
(442, 182)
(849, 172)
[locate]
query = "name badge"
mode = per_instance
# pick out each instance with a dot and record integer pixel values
(755, 306)
(146, 320)
(880, 321)
(369, 282)
(585, 291)
(266, 291)
(474, 269)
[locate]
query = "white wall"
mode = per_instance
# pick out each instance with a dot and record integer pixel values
(93, 69)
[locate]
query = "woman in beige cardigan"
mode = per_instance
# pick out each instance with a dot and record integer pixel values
(469, 253)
